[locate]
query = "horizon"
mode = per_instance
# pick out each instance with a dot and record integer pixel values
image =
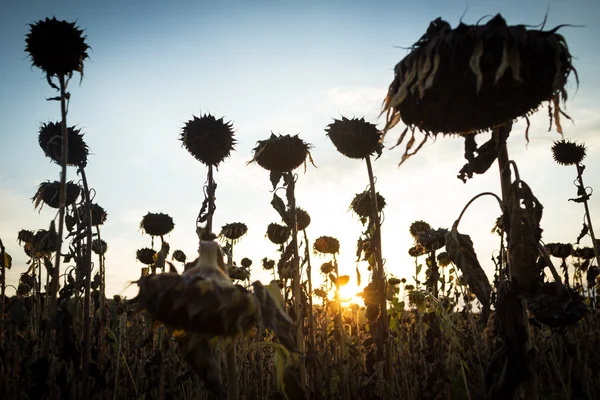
(280, 67)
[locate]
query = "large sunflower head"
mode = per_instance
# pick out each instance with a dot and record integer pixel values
(355, 138)
(476, 77)
(208, 139)
(50, 140)
(327, 245)
(56, 47)
(157, 224)
(278, 234)
(233, 231)
(49, 193)
(281, 153)
(568, 153)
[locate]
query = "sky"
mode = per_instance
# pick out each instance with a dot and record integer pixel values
(281, 66)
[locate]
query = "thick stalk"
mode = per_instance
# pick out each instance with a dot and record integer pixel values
(378, 272)
(232, 372)
(529, 387)
(103, 316)
(588, 217)
(2, 292)
(342, 335)
(211, 200)
(85, 356)
(291, 198)
(311, 318)
(61, 217)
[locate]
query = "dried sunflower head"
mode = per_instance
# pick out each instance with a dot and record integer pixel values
(246, 262)
(443, 259)
(99, 246)
(157, 224)
(278, 234)
(179, 255)
(233, 231)
(557, 306)
(25, 236)
(362, 204)
(355, 138)
(268, 264)
(327, 267)
(327, 245)
(99, 215)
(568, 153)
(394, 281)
(146, 255)
(586, 253)
(281, 153)
(50, 140)
(208, 139)
(49, 192)
(303, 218)
(56, 47)
(559, 250)
(417, 227)
(476, 77)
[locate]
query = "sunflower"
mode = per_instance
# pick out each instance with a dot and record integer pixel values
(179, 255)
(355, 138)
(48, 193)
(146, 255)
(233, 231)
(327, 245)
(50, 140)
(157, 224)
(278, 234)
(281, 153)
(474, 78)
(56, 47)
(362, 204)
(208, 139)
(568, 153)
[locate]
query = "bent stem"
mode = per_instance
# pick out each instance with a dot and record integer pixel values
(61, 217)
(587, 216)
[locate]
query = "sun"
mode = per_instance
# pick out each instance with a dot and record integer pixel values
(348, 294)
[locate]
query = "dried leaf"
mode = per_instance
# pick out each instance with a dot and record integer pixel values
(461, 252)
(584, 231)
(279, 206)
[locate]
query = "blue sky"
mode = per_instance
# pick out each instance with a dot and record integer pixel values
(281, 66)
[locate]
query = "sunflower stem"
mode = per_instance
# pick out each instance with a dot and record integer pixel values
(379, 277)
(587, 215)
(85, 357)
(61, 218)
(210, 192)
(2, 291)
(523, 346)
(311, 320)
(290, 182)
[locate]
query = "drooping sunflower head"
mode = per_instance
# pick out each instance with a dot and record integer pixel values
(355, 138)
(418, 227)
(208, 139)
(50, 140)
(281, 153)
(233, 231)
(246, 262)
(146, 255)
(97, 212)
(278, 234)
(49, 193)
(303, 218)
(99, 246)
(362, 204)
(268, 264)
(179, 255)
(157, 224)
(568, 153)
(56, 47)
(474, 78)
(327, 245)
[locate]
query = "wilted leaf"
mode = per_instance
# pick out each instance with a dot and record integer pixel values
(461, 252)
(584, 231)
(279, 206)
(7, 261)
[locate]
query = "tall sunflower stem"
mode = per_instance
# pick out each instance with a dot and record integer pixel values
(526, 387)
(61, 217)
(297, 288)
(86, 351)
(588, 217)
(379, 277)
